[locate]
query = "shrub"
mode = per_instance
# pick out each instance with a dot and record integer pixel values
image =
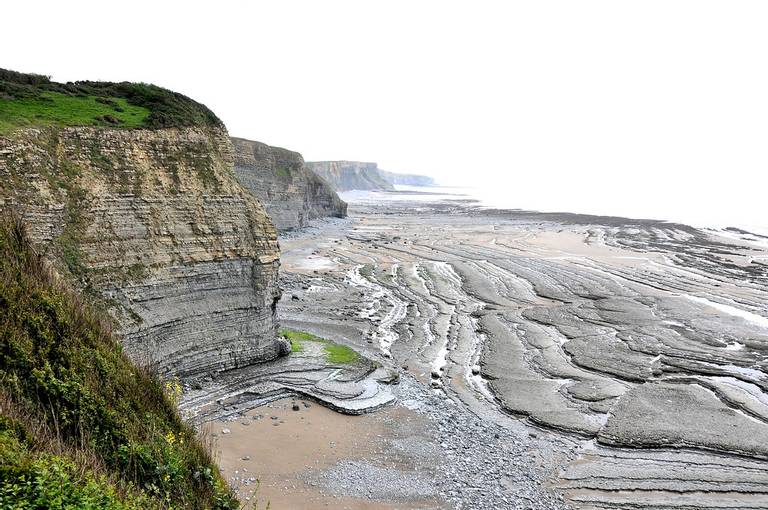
(75, 412)
(31, 99)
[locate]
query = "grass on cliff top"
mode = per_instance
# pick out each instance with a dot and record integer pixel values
(334, 353)
(34, 100)
(80, 425)
(54, 108)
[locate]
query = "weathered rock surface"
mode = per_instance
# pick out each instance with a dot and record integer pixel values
(351, 175)
(351, 388)
(290, 192)
(691, 416)
(645, 342)
(155, 221)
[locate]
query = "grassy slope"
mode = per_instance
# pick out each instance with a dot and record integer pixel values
(80, 425)
(34, 100)
(334, 353)
(57, 109)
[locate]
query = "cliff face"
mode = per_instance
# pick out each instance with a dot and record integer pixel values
(407, 179)
(156, 222)
(291, 193)
(349, 175)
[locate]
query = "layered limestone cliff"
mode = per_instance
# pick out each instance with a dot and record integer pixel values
(155, 221)
(350, 175)
(356, 175)
(291, 193)
(407, 179)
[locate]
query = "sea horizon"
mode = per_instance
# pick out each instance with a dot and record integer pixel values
(484, 197)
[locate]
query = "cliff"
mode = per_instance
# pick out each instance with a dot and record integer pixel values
(291, 193)
(350, 175)
(407, 179)
(155, 221)
(356, 175)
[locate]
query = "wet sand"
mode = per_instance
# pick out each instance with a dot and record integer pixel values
(287, 455)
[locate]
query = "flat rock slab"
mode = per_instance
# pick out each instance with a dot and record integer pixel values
(685, 415)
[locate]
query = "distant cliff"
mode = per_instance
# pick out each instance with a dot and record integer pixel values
(407, 179)
(356, 175)
(291, 193)
(349, 175)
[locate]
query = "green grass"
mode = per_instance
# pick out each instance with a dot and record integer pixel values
(81, 426)
(283, 172)
(57, 109)
(35, 100)
(336, 354)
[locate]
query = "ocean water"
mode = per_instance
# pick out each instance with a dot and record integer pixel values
(717, 216)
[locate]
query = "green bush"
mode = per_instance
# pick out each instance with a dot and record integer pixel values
(33, 100)
(76, 413)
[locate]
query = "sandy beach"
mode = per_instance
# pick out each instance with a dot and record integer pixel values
(287, 452)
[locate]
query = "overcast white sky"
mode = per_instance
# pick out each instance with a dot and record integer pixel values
(646, 108)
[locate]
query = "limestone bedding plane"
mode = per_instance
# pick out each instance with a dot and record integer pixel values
(644, 343)
(155, 222)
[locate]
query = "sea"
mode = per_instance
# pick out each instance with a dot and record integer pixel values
(717, 217)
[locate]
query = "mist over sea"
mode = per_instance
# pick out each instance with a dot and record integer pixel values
(709, 215)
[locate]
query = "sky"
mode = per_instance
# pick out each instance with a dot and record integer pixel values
(654, 108)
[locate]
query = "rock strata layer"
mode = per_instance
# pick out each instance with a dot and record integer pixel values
(290, 192)
(156, 222)
(643, 344)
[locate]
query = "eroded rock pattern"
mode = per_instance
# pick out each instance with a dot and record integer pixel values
(156, 221)
(290, 192)
(645, 343)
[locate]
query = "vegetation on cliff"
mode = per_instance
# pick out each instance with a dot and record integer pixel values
(34, 100)
(80, 425)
